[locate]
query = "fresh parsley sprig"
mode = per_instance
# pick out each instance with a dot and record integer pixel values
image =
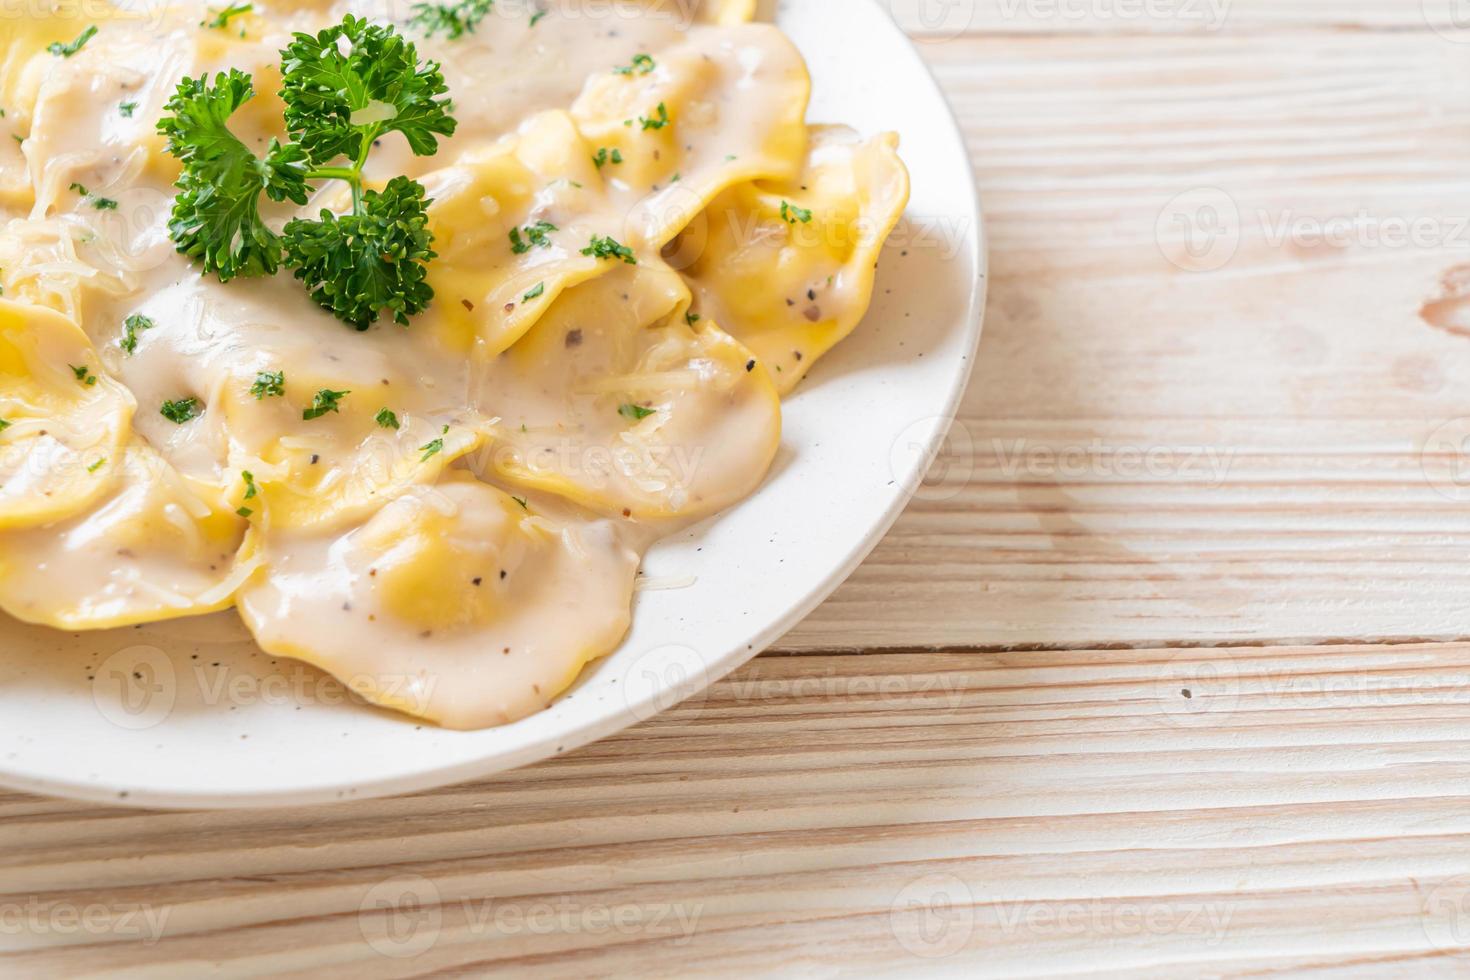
(344, 88)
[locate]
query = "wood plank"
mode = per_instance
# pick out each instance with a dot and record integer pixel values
(811, 811)
(932, 21)
(1151, 455)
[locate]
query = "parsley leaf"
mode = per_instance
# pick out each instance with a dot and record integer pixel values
(535, 235)
(635, 412)
(602, 157)
(370, 262)
(454, 19)
(660, 122)
(84, 374)
(386, 419)
(791, 214)
(216, 216)
(348, 85)
(537, 16)
(608, 248)
(269, 384)
(323, 402)
(132, 326)
(180, 411)
(250, 488)
(431, 449)
(127, 109)
(221, 18)
(534, 292)
(67, 50)
(642, 64)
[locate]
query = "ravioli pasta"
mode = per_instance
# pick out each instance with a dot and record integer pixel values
(642, 247)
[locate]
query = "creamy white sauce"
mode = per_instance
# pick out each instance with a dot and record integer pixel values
(580, 407)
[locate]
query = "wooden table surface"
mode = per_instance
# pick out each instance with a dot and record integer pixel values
(1165, 673)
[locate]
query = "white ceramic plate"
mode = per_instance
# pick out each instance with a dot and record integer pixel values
(111, 717)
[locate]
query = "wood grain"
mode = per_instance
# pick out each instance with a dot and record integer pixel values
(1197, 810)
(931, 20)
(1095, 720)
(1151, 455)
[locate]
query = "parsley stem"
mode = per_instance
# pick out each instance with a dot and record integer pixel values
(353, 174)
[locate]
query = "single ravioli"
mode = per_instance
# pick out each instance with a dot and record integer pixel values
(25, 62)
(61, 417)
(150, 550)
(509, 223)
(620, 402)
(456, 602)
(337, 467)
(788, 268)
(726, 106)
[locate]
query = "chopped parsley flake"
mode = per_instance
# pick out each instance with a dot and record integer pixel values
(454, 19)
(534, 235)
(691, 318)
(534, 292)
(104, 204)
(791, 214)
(132, 326)
(635, 412)
(79, 188)
(386, 419)
(221, 18)
(642, 64)
(5, 425)
(250, 488)
(521, 501)
(269, 384)
(431, 449)
(97, 465)
(180, 411)
(608, 248)
(660, 122)
(323, 402)
(128, 108)
(537, 16)
(84, 374)
(602, 157)
(244, 511)
(67, 50)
